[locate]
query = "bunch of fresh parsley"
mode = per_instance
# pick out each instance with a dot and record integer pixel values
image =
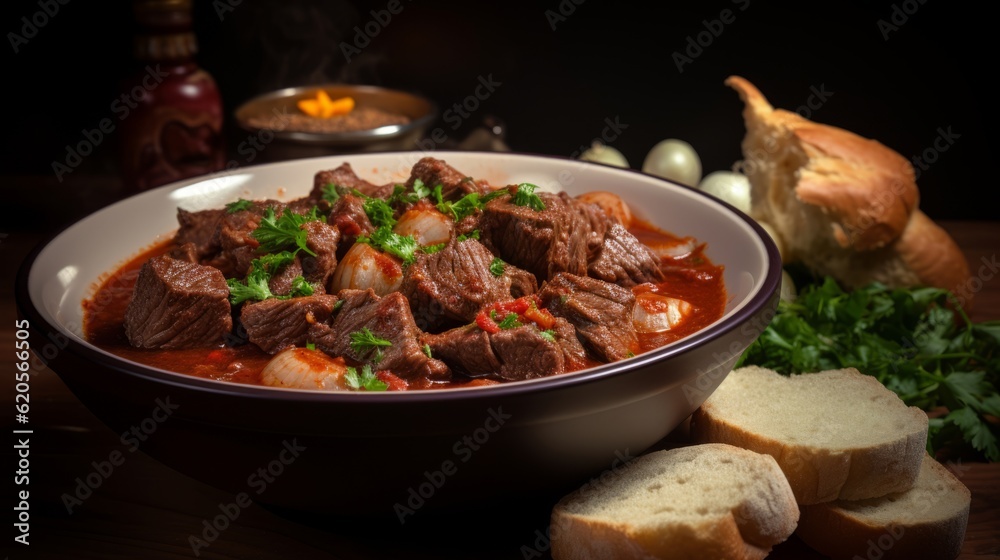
(911, 340)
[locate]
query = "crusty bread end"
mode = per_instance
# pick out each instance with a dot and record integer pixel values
(927, 521)
(703, 501)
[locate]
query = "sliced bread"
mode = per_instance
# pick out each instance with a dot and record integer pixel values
(837, 434)
(703, 501)
(926, 521)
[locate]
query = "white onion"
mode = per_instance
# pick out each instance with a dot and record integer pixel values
(787, 291)
(733, 188)
(674, 250)
(601, 153)
(426, 224)
(365, 267)
(675, 160)
(656, 313)
(301, 368)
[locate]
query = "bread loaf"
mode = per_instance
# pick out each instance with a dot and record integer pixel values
(837, 434)
(703, 501)
(844, 205)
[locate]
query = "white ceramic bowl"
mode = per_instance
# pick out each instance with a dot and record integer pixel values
(559, 428)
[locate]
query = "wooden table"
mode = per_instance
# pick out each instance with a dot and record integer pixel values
(146, 510)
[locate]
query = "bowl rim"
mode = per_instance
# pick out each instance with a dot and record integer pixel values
(352, 137)
(765, 296)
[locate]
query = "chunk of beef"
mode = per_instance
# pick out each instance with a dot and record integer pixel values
(542, 242)
(510, 355)
(344, 177)
(600, 311)
(237, 247)
(178, 304)
(348, 214)
(322, 239)
(454, 183)
(388, 317)
(596, 223)
(187, 252)
(276, 324)
(281, 282)
(199, 228)
(624, 260)
(454, 284)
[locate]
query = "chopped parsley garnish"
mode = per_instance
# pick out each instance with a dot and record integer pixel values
(431, 249)
(365, 342)
(474, 234)
(525, 196)
(909, 339)
(239, 205)
(388, 241)
(497, 266)
(331, 192)
(338, 305)
(366, 381)
(285, 232)
(310, 346)
(254, 289)
(548, 334)
(377, 210)
(399, 193)
(427, 350)
(262, 269)
(509, 322)
(460, 209)
(300, 287)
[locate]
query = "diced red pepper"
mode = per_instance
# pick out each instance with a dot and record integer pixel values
(484, 322)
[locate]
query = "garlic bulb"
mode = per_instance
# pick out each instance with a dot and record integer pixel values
(733, 188)
(675, 160)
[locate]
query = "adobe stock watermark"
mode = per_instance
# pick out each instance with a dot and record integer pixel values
(258, 481)
(31, 25)
(458, 113)
(122, 108)
(225, 7)
(705, 38)
(363, 35)
(924, 499)
(563, 10)
(818, 97)
(898, 16)
(463, 449)
(542, 542)
(131, 439)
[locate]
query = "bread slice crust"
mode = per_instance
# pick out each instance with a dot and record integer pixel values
(706, 501)
(927, 521)
(837, 434)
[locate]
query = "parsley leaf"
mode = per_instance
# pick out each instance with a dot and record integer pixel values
(254, 289)
(402, 246)
(364, 342)
(285, 232)
(548, 334)
(239, 205)
(300, 288)
(377, 210)
(310, 346)
(431, 249)
(497, 266)
(366, 381)
(427, 350)
(399, 193)
(331, 192)
(509, 322)
(474, 234)
(525, 196)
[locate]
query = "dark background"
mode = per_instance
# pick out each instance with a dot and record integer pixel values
(603, 60)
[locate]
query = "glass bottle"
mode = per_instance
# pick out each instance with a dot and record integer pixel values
(171, 110)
